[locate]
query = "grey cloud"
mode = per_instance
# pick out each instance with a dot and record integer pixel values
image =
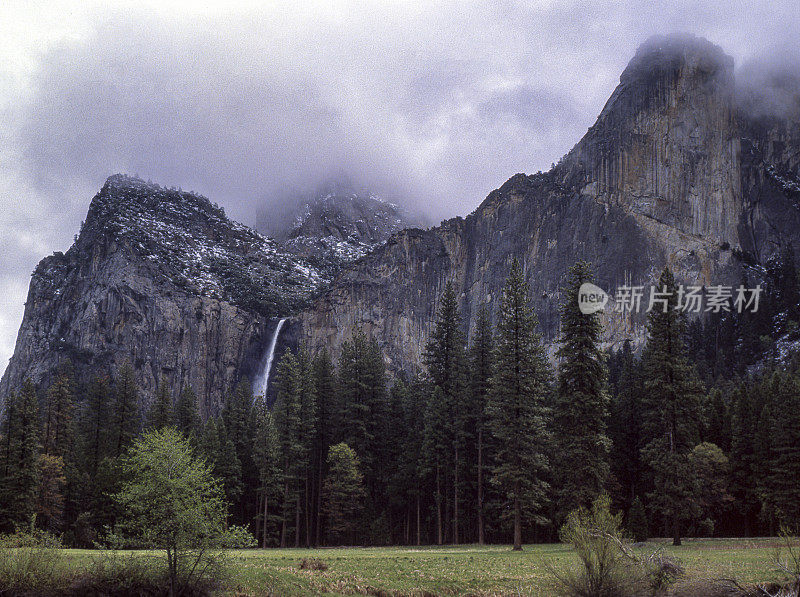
(768, 85)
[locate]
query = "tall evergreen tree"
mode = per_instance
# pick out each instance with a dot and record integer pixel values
(516, 409)
(744, 431)
(268, 459)
(160, 414)
(239, 427)
(20, 459)
(308, 429)
(581, 405)
(187, 415)
(364, 404)
(327, 413)
(57, 433)
(227, 466)
(481, 370)
(782, 470)
(57, 461)
(671, 408)
(95, 425)
(126, 420)
(625, 427)
(288, 421)
(445, 360)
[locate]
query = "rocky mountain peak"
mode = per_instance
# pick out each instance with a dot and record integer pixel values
(337, 224)
(675, 53)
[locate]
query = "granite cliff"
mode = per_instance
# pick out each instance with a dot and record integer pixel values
(336, 225)
(674, 171)
(678, 169)
(162, 279)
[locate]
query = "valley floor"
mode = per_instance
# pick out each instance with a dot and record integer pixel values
(464, 569)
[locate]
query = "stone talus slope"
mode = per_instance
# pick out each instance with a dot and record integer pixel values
(671, 173)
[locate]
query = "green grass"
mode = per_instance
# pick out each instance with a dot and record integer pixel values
(456, 570)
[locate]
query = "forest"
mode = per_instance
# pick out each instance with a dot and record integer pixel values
(697, 433)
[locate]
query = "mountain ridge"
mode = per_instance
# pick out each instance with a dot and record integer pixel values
(673, 172)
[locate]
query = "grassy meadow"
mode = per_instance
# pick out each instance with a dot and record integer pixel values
(453, 570)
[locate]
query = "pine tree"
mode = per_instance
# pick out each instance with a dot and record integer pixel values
(342, 494)
(637, 521)
(445, 360)
(435, 449)
(581, 406)
(671, 409)
(516, 409)
(364, 405)
(50, 493)
(287, 412)
(308, 428)
(718, 427)
(625, 426)
(782, 491)
(227, 466)
(239, 426)
(57, 460)
(744, 430)
(326, 421)
(481, 370)
(58, 432)
(94, 425)
(126, 420)
(403, 440)
(160, 414)
(187, 416)
(268, 459)
(20, 459)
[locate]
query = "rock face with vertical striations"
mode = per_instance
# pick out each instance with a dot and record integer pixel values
(675, 171)
(164, 280)
(683, 167)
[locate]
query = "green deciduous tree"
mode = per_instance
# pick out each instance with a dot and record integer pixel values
(342, 494)
(172, 502)
(710, 470)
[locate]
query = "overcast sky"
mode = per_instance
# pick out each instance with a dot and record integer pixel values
(432, 105)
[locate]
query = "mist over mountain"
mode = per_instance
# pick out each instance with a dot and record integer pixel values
(677, 170)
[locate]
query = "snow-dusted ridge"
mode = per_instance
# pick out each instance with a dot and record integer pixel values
(193, 244)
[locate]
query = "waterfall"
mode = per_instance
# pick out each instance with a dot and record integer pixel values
(262, 380)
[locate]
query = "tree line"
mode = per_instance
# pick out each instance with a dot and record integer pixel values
(486, 443)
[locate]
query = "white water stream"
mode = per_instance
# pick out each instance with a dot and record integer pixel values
(262, 381)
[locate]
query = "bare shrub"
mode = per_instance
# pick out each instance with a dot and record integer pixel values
(608, 566)
(313, 564)
(30, 563)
